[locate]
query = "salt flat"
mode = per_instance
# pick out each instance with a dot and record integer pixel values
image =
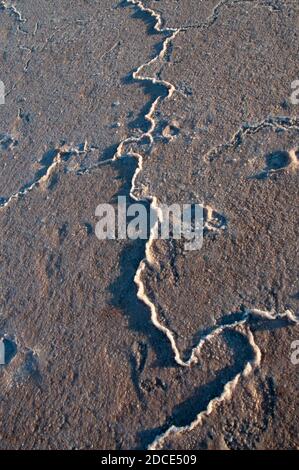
(123, 344)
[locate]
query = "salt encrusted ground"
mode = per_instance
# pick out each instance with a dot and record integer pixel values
(122, 344)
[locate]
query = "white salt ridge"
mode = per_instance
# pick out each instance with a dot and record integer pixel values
(57, 160)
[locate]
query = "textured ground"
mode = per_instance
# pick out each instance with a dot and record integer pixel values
(111, 345)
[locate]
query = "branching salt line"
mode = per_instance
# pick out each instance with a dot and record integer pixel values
(137, 75)
(5, 202)
(216, 13)
(212, 18)
(158, 24)
(232, 384)
(225, 395)
(272, 122)
(47, 171)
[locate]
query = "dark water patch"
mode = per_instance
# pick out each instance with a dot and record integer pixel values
(10, 350)
(278, 160)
